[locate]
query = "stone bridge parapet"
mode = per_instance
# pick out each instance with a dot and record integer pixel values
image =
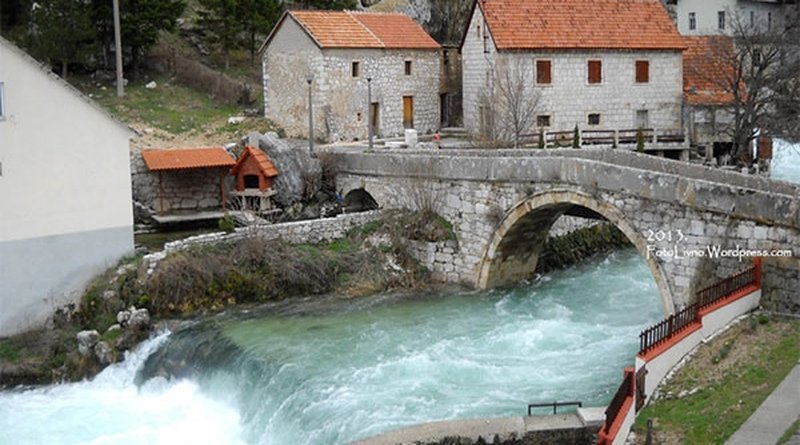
(686, 220)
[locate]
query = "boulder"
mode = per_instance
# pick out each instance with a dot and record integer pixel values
(139, 319)
(86, 341)
(103, 353)
(296, 168)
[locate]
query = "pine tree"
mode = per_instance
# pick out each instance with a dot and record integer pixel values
(62, 32)
(640, 140)
(221, 18)
(576, 138)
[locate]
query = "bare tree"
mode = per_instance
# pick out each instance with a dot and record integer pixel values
(512, 100)
(760, 73)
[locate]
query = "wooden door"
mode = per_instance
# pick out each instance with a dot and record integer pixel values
(408, 112)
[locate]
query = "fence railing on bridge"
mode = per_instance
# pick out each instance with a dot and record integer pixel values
(662, 137)
(614, 409)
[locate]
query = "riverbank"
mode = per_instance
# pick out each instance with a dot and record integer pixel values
(723, 383)
(203, 279)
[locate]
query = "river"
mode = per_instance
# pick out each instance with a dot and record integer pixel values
(786, 161)
(331, 370)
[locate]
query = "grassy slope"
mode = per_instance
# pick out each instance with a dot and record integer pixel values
(729, 378)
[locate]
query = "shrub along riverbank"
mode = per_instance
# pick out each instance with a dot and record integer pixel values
(372, 258)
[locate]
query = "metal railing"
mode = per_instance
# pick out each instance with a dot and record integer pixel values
(564, 138)
(624, 391)
(554, 405)
(727, 286)
(662, 331)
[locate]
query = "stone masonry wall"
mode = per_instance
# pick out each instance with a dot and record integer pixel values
(569, 99)
(340, 99)
(310, 231)
(471, 189)
(183, 190)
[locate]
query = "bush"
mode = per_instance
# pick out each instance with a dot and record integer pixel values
(541, 139)
(640, 140)
(576, 138)
(226, 223)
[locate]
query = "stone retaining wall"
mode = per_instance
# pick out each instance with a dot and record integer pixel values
(297, 232)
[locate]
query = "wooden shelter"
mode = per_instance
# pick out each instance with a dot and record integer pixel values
(188, 177)
(254, 172)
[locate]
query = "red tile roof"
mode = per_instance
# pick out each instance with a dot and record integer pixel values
(580, 24)
(187, 158)
(348, 29)
(265, 166)
(706, 66)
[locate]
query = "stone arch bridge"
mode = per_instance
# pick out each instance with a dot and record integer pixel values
(502, 204)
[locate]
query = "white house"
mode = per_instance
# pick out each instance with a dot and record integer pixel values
(65, 192)
(343, 55)
(707, 17)
(603, 64)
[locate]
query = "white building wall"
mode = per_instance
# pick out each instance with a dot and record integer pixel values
(569, 99)
(65, 193)
(340, 100)
(706, 15)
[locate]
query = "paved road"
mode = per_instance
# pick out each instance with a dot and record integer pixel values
(774, 416)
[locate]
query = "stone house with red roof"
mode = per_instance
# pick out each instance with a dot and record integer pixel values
(343, 54)
(597, 64)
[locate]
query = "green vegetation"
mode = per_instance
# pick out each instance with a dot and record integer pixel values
(576, 138)
(795, 428)
(580, 244)
(171, 106)
(726, 381)
(541, 143)
(226, 223)
(640, 140)
(9, 351)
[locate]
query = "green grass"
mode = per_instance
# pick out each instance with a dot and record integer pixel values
(110, 336)
(9, 351)
(729, 391)
(789, 432)
(170, 106)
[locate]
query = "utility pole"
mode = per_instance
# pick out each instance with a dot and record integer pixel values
(118, 49)
(369, 111)
(310, 79)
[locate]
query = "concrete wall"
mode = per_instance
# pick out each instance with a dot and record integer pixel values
(65, 194)
(340, 100)
(642, 195)
(707, 19)
(569, 99)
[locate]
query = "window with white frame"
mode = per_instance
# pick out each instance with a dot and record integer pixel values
(721, 19)
(692, 21)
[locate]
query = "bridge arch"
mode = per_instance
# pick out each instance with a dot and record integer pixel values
(515, 246)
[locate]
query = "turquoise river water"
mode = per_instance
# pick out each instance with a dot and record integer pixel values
(332, 370)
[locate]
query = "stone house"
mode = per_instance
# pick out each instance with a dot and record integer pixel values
(706, 99)
(335, 58)
(65, 192)
(710, 17)
(600, 65)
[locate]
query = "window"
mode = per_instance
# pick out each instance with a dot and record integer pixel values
(544, 73)
(721, 19)
(752, 18)
(543, 120)
(692, 21)
(769, 20)
(595, 71)
(594, 119)
(251, 181)
(408, 67)
(642, 71)
(642, 119)
(356, 71)
(446, 57)
(2, 103)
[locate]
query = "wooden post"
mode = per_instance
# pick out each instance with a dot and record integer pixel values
(222, 189)
(759, 265)
(160, 194)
